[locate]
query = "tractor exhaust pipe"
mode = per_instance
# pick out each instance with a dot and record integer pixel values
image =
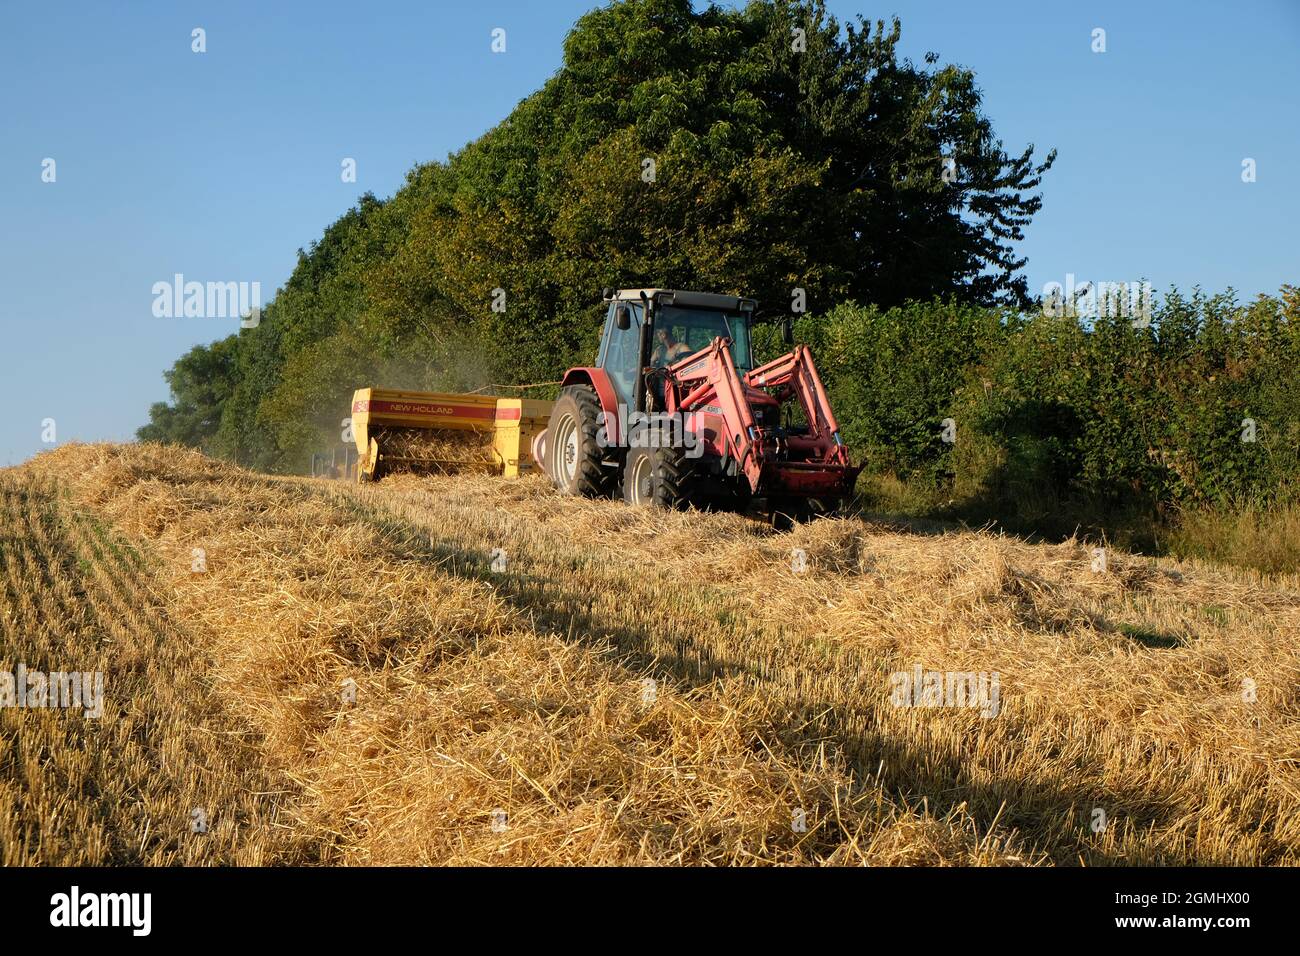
(643, 355)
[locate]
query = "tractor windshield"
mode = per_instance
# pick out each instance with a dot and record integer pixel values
(679, 332)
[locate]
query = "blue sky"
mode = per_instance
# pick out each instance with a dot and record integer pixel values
(221, 165)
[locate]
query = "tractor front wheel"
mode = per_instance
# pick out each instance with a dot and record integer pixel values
(659, 478)
(787, 512)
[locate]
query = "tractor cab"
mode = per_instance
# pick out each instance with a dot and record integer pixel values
(680, 324)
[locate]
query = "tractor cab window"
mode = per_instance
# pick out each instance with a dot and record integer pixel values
(619, 351)
(681, 332)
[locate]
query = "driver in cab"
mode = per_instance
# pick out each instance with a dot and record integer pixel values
(668, 349)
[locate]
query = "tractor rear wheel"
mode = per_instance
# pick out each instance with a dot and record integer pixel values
(575, 460)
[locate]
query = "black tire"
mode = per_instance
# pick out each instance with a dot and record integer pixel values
(575, 460)
(739, 495)
(661, 478)
(825, 508)
(787, 512)
(783, 517)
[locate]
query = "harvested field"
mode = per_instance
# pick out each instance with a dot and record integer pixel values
(472, 670)
(133, 784)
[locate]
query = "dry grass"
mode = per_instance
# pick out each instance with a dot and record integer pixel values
(523, 689)
(1120, 691)
(1267, 539)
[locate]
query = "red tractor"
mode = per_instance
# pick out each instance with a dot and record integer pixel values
(675, 414)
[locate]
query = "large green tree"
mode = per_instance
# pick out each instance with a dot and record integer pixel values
(760, 151)
(771, 151)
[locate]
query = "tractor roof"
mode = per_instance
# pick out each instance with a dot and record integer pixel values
(685, 299)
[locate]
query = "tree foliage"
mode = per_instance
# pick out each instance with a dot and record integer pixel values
(200, 382)
(1199, 408)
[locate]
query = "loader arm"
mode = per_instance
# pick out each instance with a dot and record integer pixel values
(709, 381)
(711, 375)
(795, 375)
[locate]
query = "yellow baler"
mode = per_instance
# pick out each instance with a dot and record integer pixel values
(443, 432)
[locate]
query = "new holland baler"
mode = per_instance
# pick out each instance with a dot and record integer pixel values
(440, 432)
